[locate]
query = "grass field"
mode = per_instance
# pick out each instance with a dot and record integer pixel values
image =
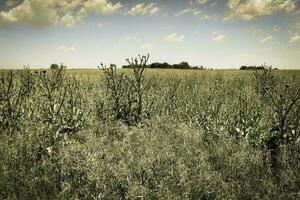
(153, 134)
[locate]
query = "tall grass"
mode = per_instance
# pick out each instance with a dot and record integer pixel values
(149, 134)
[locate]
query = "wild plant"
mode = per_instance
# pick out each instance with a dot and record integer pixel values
(284, 100)
(246, 118)
(62, 105)
(264, 81)
(126, 93)
(119, 91)
(171, 98)
(72, 112)
(15, 88)
(49, 84)
(285, 121)
(211, 116)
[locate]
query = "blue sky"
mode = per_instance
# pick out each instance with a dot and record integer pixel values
(212, 33)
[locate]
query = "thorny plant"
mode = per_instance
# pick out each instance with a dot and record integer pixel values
(14, 90)
(37, 164)
(62, 105)
(265, 81)
(284, 100)
(126, 93)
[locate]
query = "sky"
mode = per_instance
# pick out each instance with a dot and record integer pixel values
(211, 33)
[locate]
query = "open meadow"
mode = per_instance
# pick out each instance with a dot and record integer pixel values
(149, 134)
(212, 114)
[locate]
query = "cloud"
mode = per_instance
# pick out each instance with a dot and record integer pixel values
(36, 14)
(197, 13)
(142, 9)
(66, 48)
(294, 39)
(41, 14)
(100, 24)
(260, 30)
(294, 30)
(185, 11)
(201, 1)
(252, 9)
(213, 4)
(68, 20)
(267, 39)
(175, 38)
(218, 37)
(147, 46)
(11, 3)
(134, 37)
(6, 19)
(100, 7)
(276, 28)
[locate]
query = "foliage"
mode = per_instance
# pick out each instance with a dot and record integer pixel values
(126, 93)
(284, 98)
(252, 67)
(142, 133)
(165, 65)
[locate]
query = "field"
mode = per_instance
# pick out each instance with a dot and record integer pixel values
(149, 134)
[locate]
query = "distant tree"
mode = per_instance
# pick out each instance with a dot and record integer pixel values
(54, 66)
(165, 65)
(252, 67)
(184, 65)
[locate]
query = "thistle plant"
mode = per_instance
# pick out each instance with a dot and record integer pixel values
(126, 93)
(283, 99)
(14, 90)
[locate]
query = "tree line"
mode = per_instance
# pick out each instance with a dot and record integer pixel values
(165, 65)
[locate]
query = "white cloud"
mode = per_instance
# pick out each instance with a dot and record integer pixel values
(266, 39)
(201, 1)
(142, 9)
(66, 48)
(294, 30)
(213, 4)
(100, 7)
(252, 9)
(100, 24)
(37, 14)
(260, 30)
(134, 37)
(44, 13)
(11, 3)
(147, 46)
(175, 38)
(68, 20)
(294, 39)
(276, 28)
(218, 37)
(197, 13)
(6, 19)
